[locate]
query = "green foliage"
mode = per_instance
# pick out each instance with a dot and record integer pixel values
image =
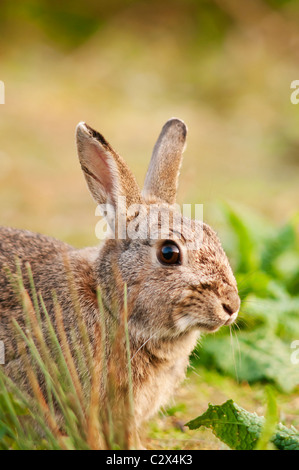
(260, 357)
(241, 430)
(267, 271)
(69, 25)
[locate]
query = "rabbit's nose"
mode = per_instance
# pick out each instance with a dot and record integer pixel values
(231, 301)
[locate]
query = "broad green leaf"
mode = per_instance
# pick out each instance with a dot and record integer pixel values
(234, 426)
(281, 315)
(254, 356)
(241, 430)
(283, 240)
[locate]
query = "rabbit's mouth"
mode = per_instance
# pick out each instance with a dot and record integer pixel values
(212, 327)
(206, 321)
(206, 312)
(232, 318)
(221, 318)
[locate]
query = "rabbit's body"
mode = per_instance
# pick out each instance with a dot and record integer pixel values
(174, 292)
(157, 368)
(45, 256)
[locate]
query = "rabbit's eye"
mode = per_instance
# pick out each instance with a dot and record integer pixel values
(169, 253)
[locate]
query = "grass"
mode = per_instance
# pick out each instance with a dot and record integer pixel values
(70, 397)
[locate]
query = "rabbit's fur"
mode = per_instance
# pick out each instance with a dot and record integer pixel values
(168, 304)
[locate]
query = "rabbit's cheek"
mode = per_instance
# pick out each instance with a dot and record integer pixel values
(202, 312)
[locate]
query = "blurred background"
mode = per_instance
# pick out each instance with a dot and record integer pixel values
(126, 66)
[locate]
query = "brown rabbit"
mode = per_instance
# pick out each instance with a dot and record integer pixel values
(175, 291)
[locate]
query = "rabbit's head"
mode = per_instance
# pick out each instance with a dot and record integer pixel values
(177, 275)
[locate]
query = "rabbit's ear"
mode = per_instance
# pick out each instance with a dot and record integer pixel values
(106, 173)
(162, 176)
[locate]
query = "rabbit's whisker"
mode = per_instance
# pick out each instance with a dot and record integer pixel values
(233, 352)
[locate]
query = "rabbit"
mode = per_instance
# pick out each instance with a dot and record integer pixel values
(174, 292)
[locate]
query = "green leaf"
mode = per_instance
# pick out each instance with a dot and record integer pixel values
(281, 241)
(256, 281)
(254, 356)
(286, 438)
(234, 426)
(280, 315)
(241, 430)
(246, 247)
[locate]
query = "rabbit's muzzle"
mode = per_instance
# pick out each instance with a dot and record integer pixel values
(207, 308)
